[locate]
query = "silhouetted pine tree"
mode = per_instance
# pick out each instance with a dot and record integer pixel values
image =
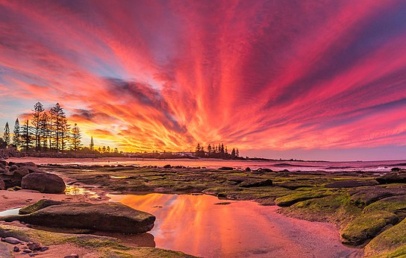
(6, 135)
(26, 135)
(57, 125)
(233, 153)
(36, 123)
(16, 134)
(91, 143)
(65, 134)
(45, 130)
(76, 137)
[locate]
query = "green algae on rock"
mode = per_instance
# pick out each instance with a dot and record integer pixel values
(367, 226)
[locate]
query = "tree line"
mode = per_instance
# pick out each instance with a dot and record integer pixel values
(47, 130)
(216, 151)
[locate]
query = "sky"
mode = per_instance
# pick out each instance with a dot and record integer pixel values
(317, 79)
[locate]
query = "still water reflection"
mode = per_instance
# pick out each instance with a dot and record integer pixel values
(205, 226)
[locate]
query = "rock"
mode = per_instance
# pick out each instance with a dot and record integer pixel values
(21, 172)
(256, 182)
(113, 217)
(234, 180)
(398, 177)
(34, 246)
(43, 182)
(226, 168)
(72, 256)
(34, 170)
(247, 169)
(22, 164)
(168, 166)
(350, 184)
(16, 249)
(3, 162)
(44, 248)
(369, 195)
(13, 167)
(38, 206)
(265, 170)
(12, 240)
(2, 184)
(367, 226)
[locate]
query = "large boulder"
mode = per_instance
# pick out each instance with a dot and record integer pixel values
(43, 182)
(112, 217)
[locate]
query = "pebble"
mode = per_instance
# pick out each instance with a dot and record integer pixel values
(16, 249)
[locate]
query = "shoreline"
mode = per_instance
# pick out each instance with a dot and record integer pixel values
(310, 196)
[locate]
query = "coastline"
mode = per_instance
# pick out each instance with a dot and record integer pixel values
(313, 196)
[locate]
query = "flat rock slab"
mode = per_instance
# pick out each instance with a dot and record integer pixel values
(113, 217)
(256, 182)
(351, 184)
(397, 177)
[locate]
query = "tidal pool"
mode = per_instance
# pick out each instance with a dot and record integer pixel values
(205, 226)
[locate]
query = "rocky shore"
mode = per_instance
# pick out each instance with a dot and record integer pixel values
(53, 224)
(367, 207)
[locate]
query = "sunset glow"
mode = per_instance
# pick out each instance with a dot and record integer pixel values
(269, 77)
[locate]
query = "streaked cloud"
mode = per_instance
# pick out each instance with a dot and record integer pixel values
(261, 75)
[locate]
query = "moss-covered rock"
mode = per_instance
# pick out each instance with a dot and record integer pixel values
(390, 243)
(351, 183)
(38, 206)
(368, 195)
(367, 226)
(298, 196)
(335, 208)
(256, 182)
(103, 246)
(394, 204)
